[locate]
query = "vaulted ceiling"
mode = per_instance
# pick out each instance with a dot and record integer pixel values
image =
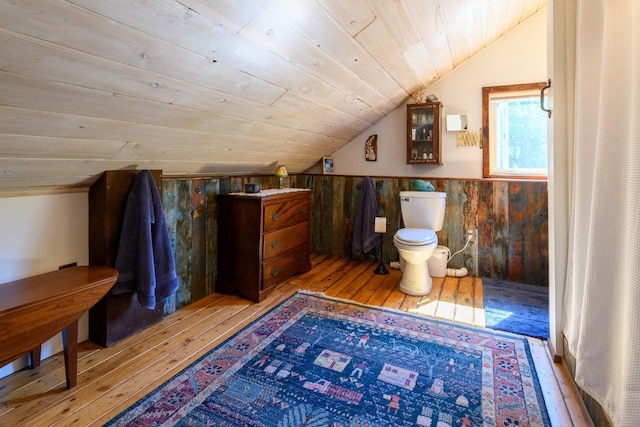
(216, 87)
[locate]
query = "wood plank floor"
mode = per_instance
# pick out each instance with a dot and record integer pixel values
(110, 379)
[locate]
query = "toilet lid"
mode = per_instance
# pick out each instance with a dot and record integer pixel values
(415, 236)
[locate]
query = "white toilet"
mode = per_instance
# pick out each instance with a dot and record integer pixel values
(423, 215)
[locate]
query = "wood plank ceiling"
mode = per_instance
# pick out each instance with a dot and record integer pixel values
(216, 87)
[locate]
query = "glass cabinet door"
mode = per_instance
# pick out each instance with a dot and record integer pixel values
(423, 133)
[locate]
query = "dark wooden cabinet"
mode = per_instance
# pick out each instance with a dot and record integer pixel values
(424, 134)
(263, 240)
(114, 317)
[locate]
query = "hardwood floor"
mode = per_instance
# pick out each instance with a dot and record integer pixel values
(110, 379)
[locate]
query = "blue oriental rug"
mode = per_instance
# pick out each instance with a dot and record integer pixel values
(316, 361)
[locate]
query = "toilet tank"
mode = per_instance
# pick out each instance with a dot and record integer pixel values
(423, 209)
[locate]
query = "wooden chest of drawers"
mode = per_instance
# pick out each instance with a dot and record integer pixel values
(263, 240)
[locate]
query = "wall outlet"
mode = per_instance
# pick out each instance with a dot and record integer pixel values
(471, 234)
(71, 264)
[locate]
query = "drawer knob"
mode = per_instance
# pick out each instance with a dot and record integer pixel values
(274, 271)
(275, 216)
(304, 233)
(274, 244)
(305, 209)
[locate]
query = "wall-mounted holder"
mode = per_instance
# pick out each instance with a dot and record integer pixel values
(469, 138)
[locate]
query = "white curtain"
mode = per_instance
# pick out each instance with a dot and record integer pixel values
(602, 299)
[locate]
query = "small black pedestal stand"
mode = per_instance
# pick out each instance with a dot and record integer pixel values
(381, 269)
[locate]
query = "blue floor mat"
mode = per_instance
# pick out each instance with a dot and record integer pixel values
(516, 307)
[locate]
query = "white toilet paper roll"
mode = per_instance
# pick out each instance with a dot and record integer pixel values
(380, 224)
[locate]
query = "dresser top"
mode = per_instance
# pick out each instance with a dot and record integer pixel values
(270, 192)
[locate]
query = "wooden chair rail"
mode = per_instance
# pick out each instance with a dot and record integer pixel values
(34, 309)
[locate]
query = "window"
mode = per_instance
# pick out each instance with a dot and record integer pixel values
(514, 136)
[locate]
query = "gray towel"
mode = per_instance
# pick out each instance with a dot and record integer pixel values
(145, 260)
(364, 236)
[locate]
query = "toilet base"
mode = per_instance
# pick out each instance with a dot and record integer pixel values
(415, 279)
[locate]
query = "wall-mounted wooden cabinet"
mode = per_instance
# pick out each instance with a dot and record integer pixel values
(424, 136)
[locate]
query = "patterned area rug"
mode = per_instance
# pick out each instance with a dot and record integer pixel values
(516, 307)
(317, 361)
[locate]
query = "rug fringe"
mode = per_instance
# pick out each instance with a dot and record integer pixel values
(375, 307)
(482, 329)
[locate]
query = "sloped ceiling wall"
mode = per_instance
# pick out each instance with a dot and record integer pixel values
(204, 87)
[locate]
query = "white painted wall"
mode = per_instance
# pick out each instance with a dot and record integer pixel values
(518, 57)
(38, 234)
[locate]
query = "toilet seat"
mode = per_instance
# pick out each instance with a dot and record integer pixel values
(415, 237)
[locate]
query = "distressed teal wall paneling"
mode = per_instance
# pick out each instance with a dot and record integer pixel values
(452, 233)
(536, 236)
(169, 195)
(515, 249)
(511, 218)
(184, 247)
(485, 223)
(500, 238)
(339, 213)
(470, 214)
(322, 215)
(212, 188)
(389, 205)
(198, 240)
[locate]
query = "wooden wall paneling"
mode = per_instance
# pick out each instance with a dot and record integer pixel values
(237, 183)
(486, 219)
(198, 240)
(212, 189)
(490, 205)
(388, 205)
(470, 210)
(169, 203)
(516, 215)
(183, 241)
(536, 235)
(341, 213)
(317, 219)
(225, 186)
(351, 193)
(453, 227)
(471, 204)
(543, 228)
(322, 215)
(401, 184)
(500, 238)
(393, 212)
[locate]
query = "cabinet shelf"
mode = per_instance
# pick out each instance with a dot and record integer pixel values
(424, 133)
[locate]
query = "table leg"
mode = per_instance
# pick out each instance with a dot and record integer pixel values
(34, 356)
(70, 343)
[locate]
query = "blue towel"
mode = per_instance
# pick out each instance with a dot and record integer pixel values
(364, 236)
(145, 260)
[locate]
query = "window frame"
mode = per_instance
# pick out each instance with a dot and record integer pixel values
(487, 92)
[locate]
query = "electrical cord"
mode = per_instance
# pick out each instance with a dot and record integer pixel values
(458, 272)
(461, 250)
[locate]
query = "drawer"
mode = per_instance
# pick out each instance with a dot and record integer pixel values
(278, 242)
(285, 214)
(281, 269)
